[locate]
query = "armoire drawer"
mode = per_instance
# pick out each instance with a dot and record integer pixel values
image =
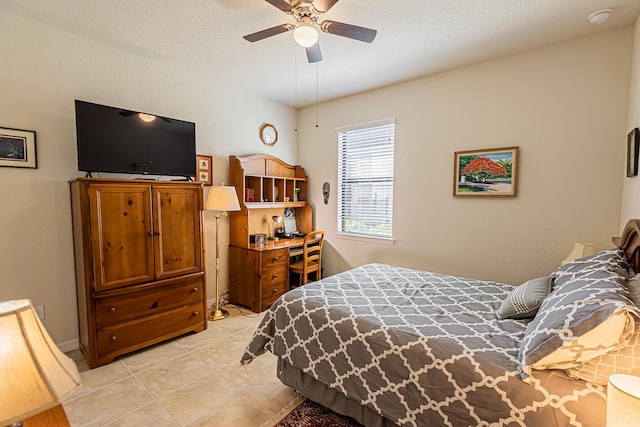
(152, 328)
(147, 302)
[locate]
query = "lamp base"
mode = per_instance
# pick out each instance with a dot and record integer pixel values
(217, 314)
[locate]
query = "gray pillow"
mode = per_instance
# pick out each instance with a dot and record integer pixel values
(633, 285)
(587, 314)
(524, 301)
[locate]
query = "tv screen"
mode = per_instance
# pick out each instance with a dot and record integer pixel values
(117, 140)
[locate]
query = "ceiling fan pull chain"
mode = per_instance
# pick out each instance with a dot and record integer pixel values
(295, 85)
(317, 90)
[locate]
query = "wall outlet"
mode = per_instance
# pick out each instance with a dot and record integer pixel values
(39, 311)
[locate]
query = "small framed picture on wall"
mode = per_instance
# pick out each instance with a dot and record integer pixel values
(633, 144)
(204, 169)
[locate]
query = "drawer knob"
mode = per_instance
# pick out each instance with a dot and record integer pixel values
(113, 338)
(276, 258)
(112, 309)
(275, 291)
(150, 233)
(194, 289)
(275, 276)
(195, 313)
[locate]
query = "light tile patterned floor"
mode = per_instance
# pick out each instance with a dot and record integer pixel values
(194, 380)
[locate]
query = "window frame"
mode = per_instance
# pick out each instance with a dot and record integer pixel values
(372, 178)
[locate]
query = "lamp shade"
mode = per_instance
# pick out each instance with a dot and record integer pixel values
(623, 401)
(579, 250)
(34, 374)
(222, 198)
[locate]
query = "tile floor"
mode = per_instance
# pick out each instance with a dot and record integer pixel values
(194, 380)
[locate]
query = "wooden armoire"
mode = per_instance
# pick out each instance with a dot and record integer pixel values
(139, 263)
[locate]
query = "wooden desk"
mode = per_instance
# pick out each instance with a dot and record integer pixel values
(259, 274)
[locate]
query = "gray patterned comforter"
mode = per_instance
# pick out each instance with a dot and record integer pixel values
(421, 349)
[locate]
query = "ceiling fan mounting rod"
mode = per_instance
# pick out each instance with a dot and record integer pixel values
(304, 10)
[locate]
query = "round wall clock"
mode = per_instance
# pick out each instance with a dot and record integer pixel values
(268, 134)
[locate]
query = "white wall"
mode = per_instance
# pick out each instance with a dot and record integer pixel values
(43, 70)
(631, 185)
(565, 106)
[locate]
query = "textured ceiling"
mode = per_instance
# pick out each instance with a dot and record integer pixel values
(415, 37)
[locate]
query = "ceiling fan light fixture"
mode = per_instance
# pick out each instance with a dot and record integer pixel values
(305, 35)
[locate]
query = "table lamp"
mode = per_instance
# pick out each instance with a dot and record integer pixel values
(623, 400)
(34, 374)
(579, 250)
(221, 199)
(277, 219)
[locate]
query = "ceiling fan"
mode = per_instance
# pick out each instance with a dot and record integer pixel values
(305, 31)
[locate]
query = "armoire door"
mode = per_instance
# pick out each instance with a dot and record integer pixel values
(178, 245)
(122, 235)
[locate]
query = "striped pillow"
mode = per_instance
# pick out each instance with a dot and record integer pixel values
(524, 301)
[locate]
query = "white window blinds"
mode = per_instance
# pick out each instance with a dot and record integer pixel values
(365, 179)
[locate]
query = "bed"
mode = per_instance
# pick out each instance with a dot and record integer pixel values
(389, 346)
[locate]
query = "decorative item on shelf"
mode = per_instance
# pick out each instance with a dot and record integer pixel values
(221, 199)
(623, 400)
(296, 195)
(249, 194)
(579, 250)
(276, 193)
(486, 173)
(18, 148)
(633, 146)
(204, 169)
(277, 219)
(36, 375)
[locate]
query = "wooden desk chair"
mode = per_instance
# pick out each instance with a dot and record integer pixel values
(311, 257)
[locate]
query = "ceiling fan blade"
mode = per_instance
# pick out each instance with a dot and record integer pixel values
(314, 54)
(281, 4)
(323, 6)
(268, 32)
(347, 30)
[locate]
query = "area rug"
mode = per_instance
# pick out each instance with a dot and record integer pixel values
(306, 413)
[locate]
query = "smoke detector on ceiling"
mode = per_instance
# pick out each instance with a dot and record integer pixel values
(600, 16)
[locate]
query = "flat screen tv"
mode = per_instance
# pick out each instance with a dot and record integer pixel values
(118, 140)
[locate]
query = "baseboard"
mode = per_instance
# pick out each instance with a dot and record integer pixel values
(70, 345)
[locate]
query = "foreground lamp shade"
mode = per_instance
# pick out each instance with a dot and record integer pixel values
(34, 374)
(623, 401)
(579, 250)
(222, 199)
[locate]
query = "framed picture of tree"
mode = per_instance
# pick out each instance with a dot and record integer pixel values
(486, 173)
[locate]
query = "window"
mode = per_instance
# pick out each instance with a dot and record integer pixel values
(365, 179)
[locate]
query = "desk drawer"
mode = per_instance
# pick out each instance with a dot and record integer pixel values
(148, 301)
(275, 258)
(151, 329)
(273, 284)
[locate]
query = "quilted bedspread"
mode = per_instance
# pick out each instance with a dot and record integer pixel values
(421, 349)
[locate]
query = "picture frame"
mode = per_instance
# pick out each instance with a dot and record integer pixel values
(18, 148)
(204, 166)
(491, 172)
(633, 146)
